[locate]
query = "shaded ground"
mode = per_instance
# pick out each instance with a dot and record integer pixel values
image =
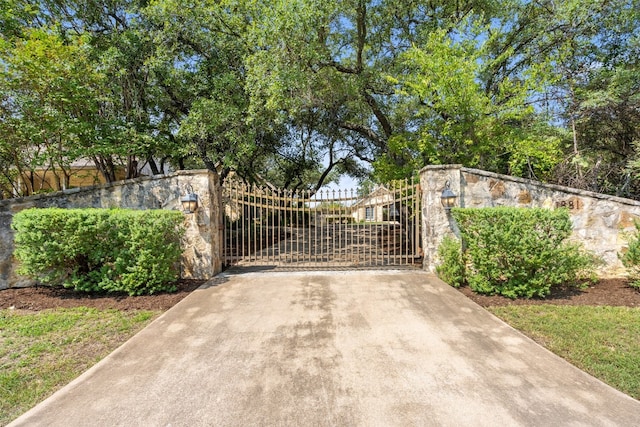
(335, 245)
(611, 292)
(41, 298)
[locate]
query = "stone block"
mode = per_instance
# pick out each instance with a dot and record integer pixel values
(627, 219)
(524, 197)
(17, 207)
(496, 188)
(470, 178)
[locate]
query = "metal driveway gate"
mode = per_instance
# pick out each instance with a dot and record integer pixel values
(344, 228)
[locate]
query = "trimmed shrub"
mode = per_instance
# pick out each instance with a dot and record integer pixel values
(631, 258)
(451, 269)
(104, 250)
(519, 252)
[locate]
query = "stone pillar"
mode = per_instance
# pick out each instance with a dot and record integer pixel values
(202, 255)
(436, 222)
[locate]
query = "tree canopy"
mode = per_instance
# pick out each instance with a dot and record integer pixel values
(299, 92)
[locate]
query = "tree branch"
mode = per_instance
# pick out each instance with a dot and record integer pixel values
(339, 67)
(365, 131)
(382, 118)
(361, 28)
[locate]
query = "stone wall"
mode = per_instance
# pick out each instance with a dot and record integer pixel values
(202, 256)
(600, 222)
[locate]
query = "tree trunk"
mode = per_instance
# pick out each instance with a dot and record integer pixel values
(153, 165)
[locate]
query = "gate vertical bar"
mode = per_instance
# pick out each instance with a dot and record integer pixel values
(247, 221)
(243, 217)
(296, 201)
(411, 212)
(293, 228)
(303, 229)
(323, 227)
(257, 226)
(316, 207)
(235, 228)
(319, 227)
(405, 218)
(389, 226)
(418, 222)
(332, 228)
(415, 212)
(250, 222)
(394, 216)
(407, 228)
(290, 233)
(392, 252)
(351, 228)
(411, 190)
(285, 221)
(270, 226)
(279, 231)
(307, 230)
(226, 223)
(234, 248)
(254, 223)
(339, 248)
(369, 257)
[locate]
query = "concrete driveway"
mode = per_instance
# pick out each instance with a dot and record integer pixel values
(332, 349)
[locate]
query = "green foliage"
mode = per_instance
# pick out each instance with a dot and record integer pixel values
(42, 351)
(459, 120)
(293, 92)
(452, 266)
(100, 250)
(584, 55)
(535, 157)
(520, 252)
(602, 341)
(631, 258)
(49, 109)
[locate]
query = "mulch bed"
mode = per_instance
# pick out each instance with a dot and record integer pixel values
(611, 292)
(42, 297)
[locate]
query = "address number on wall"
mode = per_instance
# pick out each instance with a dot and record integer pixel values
(571, 204)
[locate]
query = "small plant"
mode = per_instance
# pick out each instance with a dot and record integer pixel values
(451, 268)
(631, 258)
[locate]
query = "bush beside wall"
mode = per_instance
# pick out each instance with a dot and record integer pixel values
(452, 266)
(516, 252)
(104, 250)
(631, 258)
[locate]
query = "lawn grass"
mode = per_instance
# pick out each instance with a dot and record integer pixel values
(603, 341)
(41, 352)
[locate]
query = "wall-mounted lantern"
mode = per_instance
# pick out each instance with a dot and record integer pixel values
(189, 201)
(448, 197)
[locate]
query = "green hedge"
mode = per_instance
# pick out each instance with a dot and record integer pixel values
(631, 258)
(516, 252)
(452, 266)
(112, 250)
